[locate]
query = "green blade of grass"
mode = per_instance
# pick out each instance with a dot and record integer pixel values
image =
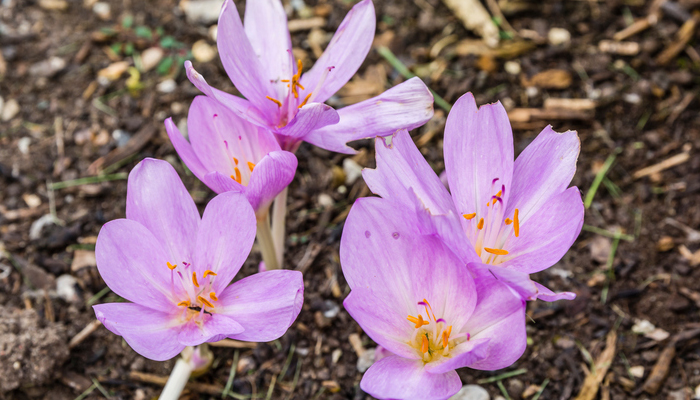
(88, 180)
(503, 390)
(606, 233)
(599, 178)
(406, 73)
(231, 375)
(539, 392)
(502, 376)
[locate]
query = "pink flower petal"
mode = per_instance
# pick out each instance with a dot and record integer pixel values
(463, 355)
(184, 150)
(272, 174)
(265, 304)
(153, 334)
(344, 54)
(394, 377)
(309, 118)
(211, 328)
(407, 105)
(547, 294)
(157, 199)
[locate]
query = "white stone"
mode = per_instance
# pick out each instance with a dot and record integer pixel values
(642, 327)
(202, 51)
(203, 11)
(150, 58)
(23, 144)
(632, 98)
(167, 86)
(352, 170)
(365, 360)
(324, 200)
(637, 371)
(557, 36)
(10, 110)
(65, 288)
(214, 32)
(48, 68)
(512, 67)
(102, 10)
(471, 392)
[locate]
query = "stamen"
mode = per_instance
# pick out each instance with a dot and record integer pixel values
(481, 224)
(235, 160)
(302, 87)
(251, 166)
(205, 301)
(172, 267)
(499, 252)
(300, 67)
(209, 272)
(426, 309)
(184, 303)
(508, 221)
(469, 216)
(279, 103)
(285, 80)
(516, 223)
(238, 175)
(425, 345)
(212, 296)
(194, 279)
(303, 103)
(418, 321)
(445, 336)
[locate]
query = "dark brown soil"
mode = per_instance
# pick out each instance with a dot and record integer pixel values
(645, 110)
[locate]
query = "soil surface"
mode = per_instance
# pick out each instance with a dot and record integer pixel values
(72, 110)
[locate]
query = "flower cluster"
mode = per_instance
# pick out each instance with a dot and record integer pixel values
(439, 277)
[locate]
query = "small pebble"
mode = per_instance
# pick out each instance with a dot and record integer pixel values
(557, 36)
(122, 137)
(637, 371)
(202, 51)
(471, 392)
(632, 98)
(512, 67)
(54, 5)
(112, 72)
(167, 86)
(335, 356)
(204, 11)
(23, 145)
(324, 200)
(642, 327)
(213, 32)
(102, 10)
(65, 288)
(10, 110)
(365, 360)
(48, 68)
(532, 91)
(331, 309)
(352, 170)
(150, 58)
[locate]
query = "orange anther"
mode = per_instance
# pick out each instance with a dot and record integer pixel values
(508, 221)
(444, 339)
(481, 224)
(516, 223)
(194, 279)
(499, 252)
(500, 192)
(238, 175)
(251, 166)
(184, 303)
(418, 321)
(172, 267)
(300, 67)
(235, 160)
(279, 103)
(209, 272)
(212, 296)
(469, 216)
(428, 306)
(205, 301)
(303, 103)
(425, 345)
(284, 80)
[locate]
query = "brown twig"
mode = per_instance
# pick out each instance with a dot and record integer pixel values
(211, 389)
(82, 335)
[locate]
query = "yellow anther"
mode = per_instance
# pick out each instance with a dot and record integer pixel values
(516, 223)
(279, 103)
(212, 296)
(184, 303)
(194, 279)
(237, 178)
(205, 301)
(418, 321)
(209, 272)
(235, 160)
(251, 166)
(172, 267)
(481, 224)
(499, 252)
(508, 221)
(428, 306)
(469, 216)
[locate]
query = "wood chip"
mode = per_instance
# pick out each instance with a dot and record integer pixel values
(82, 335)
(621, 48)
(475, 18)
(540, 114)
(234, 344)
(296, 25)
(136, 143)
(660, 371)
(595, 377)
(356, 344)
(552, 103)
(663, 165)
(683, 36)
(82, 259)
(692, 295)
(693, 258)
(505, 50)
(549, 79)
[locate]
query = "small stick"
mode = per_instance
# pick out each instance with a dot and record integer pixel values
(214, 390)
(665, 164)
(82, 335)
(234, 344)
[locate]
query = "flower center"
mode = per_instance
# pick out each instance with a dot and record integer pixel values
(432, 338)
(240, 176)
(491, 233)
(196, 295)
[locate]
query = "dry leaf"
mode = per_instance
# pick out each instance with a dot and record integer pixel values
(372, 83)
(595, 377)
(549, 79)
(82, 259)
(475, 18)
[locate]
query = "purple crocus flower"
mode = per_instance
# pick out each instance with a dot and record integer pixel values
(175, 268)
(510, 218)
(429, 313)
(258, 58)
(228, 153)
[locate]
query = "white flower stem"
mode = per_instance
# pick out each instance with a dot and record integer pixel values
(279, 216)
(266, 243)
(177, 380)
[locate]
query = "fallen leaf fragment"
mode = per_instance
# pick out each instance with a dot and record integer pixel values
(600, 368)
(475, 18)
(660, 371)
